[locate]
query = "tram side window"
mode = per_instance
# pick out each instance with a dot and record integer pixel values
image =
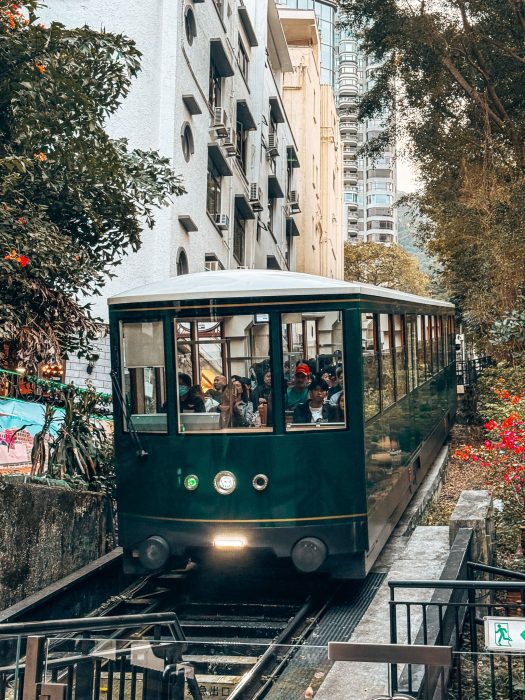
(444, 339)
(223, 374)
(451, 339)
(144, 377)
(411, 338)
(387, 360)
(313, 370)
(398, 328)
(372, 404)
(436, 341)
(429, 338)
(422, 357)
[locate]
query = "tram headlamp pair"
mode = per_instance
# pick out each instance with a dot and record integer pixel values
(225, 482)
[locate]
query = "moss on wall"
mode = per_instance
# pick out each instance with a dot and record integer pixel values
(46, 533)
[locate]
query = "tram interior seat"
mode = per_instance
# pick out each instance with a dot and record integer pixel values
(200, 421)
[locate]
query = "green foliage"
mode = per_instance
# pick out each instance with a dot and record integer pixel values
(72, 200)
(81, 452)
(453, 79)
(385, 266)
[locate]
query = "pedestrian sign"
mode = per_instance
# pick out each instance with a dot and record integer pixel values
(504, 634)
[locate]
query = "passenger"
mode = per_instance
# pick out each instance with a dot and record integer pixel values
(236, 409)
(338, 415)
(316, 409)
(210, 403)
(329, 377)
(262, 400)
(337, 389)
(298, 392)
(219, 382)
(190, 397)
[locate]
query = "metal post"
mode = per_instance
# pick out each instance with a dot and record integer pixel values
(34, 667)
(52, 691)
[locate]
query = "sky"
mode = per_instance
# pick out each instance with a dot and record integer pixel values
(407, 180)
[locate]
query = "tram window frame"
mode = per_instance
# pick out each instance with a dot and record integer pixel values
(227, 358)
(371, 317)
(132, 421)
(298, 347)
(387, 382)
(411, 324)
(400, 359)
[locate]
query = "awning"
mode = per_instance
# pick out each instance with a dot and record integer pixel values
(191, 104)
(293, 159)
(275, 191)
(243, 207)
(248, 26)
(219, 161)
(219, 58)
(244, 116)
(291, 227)
(187, 223)
(276, 110)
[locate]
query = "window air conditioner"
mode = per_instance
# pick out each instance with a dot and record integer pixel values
(229, 142)
(219, 122)
(255, 196)
(222, 221)
(273, 144)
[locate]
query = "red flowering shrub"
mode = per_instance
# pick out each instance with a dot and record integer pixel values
(501, 456)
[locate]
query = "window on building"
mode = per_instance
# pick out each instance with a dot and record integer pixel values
(239, 237)
(215, 86)
(241, 146)
(213, 190)
(188, 146)
(144, 378)
(182, 263)
(190, 25)
(244, 61)
(271, 213)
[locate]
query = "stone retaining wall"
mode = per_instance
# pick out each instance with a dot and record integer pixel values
(45, 534)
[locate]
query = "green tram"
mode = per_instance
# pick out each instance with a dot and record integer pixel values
(325, 494)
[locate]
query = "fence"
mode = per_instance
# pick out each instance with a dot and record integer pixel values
(467, 371)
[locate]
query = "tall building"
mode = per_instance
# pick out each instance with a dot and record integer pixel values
(209, 97)
(312, 112)
(368, 188)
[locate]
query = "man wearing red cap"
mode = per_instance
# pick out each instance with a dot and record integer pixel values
(298, 392)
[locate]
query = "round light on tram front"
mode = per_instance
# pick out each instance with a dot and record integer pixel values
(191, 482)
(225, 482)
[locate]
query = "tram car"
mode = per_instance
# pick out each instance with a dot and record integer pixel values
(279, 412)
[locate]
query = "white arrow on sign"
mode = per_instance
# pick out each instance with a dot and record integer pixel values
(504, 634)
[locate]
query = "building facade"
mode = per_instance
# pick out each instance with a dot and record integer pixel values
(313, 116)
(368, 188)
(209, 97)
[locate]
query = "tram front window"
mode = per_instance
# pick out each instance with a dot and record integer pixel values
(223, 374)
(144, 378)
(313, 370)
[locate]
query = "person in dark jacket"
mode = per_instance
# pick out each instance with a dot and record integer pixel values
(316, 409)
(190, 397)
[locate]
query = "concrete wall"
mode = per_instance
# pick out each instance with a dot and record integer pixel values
(46, 533)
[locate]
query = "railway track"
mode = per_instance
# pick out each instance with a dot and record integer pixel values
(239, 636)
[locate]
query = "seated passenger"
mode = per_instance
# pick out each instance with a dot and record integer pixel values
(210, 403)
(219, 382)
(190, 397)
(337, 389)
(298, 392)
(236, 410)
(262, 400)
(316, 409)
(338, 415)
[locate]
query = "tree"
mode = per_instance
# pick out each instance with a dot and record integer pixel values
(452, 83)
(384, 266)
(72, 200)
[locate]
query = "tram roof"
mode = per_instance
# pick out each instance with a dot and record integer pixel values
(240, 284)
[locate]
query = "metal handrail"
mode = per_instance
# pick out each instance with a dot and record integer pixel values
(86, 624)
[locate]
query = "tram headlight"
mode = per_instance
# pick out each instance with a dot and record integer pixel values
(191, 482)
(225, 482)
(229, 542)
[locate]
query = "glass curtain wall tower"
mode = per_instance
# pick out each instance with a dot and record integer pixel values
(369, 187)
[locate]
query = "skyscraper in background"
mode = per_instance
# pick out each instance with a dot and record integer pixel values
(369, 188)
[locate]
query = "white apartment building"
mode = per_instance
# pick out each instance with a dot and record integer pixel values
(209, 97)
